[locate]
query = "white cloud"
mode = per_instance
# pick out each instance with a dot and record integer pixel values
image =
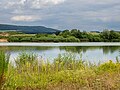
(45, 3)
(23, 1)
(36, 4)
(24, 18)
(102, 2)
(54, 1)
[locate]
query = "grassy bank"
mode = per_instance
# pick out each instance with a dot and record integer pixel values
(66, 72)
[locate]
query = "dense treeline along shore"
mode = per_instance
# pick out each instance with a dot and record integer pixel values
(64, 36)
(66, 72)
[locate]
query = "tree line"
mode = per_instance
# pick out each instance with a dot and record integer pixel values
(73, 35)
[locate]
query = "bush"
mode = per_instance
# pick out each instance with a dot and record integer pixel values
(26, 39)
(109, 67)
(97, 39)
(72, 39)
(13, 39)
(115, 40)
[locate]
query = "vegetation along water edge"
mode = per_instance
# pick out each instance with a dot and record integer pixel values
(66, 72)
(73, 35)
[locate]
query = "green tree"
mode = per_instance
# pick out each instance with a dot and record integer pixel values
(65, 33)
(114, 35)
(76, 33)
(105, 35)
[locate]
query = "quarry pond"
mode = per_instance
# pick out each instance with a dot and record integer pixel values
(91, 52)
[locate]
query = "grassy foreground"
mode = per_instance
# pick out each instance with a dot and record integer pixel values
(66, 72)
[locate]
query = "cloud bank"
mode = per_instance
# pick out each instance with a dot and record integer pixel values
(24, 18)
(62, 14)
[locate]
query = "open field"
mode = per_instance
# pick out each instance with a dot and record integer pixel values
(66, 72)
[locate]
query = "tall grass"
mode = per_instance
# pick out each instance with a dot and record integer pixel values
(4, 60)
(66, 72)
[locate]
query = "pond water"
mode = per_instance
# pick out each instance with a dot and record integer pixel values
(93, 54)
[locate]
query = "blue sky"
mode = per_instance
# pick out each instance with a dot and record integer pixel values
(62, 14)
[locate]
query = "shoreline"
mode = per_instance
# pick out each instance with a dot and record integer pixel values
(60, 44)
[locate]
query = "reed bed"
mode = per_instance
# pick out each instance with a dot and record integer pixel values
(66, 72)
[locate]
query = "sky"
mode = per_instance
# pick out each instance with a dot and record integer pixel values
(87, 15)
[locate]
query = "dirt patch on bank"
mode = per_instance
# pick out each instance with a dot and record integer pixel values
(3, 40)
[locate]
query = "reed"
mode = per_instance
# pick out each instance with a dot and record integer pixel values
(66, 72)
(4, 61)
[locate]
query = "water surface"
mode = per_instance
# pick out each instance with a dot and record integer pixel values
(93, 54)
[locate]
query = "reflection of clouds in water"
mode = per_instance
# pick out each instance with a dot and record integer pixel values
(91, 54)
(42, 54)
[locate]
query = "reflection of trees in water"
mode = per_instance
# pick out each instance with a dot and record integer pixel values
(110, 49)
(84, 49)
(75, 49)
(20, 48)
(71, 49)
(3, 48)
(78, 49)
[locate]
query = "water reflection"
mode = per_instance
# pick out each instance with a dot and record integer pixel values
(106, 49)
(92, 54)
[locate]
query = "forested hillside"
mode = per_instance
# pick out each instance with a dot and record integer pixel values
(28, 29)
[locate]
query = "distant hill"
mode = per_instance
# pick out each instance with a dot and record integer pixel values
(28, 29)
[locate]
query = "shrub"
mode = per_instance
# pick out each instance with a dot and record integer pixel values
(109, 67)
